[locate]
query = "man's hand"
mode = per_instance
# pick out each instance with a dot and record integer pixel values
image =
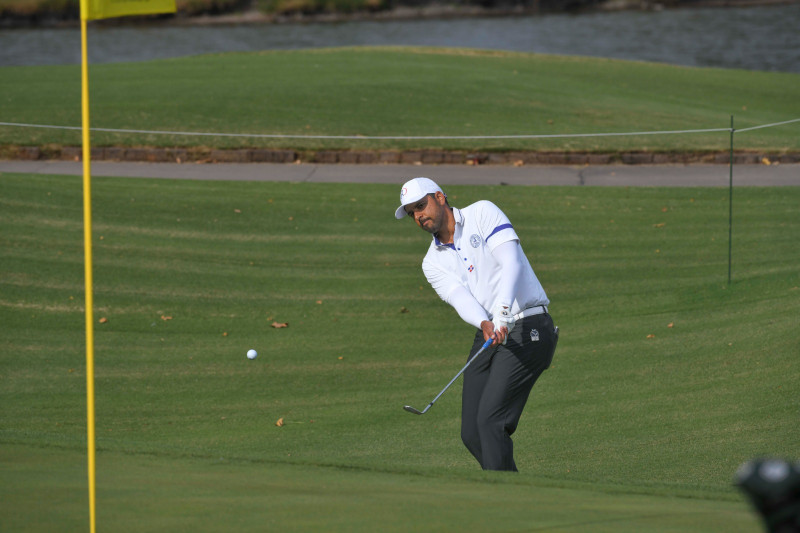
(503, 322)
(489, 333)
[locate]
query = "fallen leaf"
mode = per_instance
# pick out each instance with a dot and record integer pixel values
(279, 423)
(651, 336)
(664, 209)
(671, 325)
(765, 161)
(403, 310)
(660, 225)
(519, 163)
(277, 325)
(340, 358)
(319, 302)
(224, 333)
(103, 320)
(165, 318)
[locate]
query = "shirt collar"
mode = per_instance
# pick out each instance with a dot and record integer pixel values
(459, 218)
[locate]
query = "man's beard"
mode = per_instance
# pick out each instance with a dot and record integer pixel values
(432, 228)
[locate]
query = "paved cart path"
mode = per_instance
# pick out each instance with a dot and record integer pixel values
(601, 175)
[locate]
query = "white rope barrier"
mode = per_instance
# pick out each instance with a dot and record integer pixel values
(401, 138)
(767, 125)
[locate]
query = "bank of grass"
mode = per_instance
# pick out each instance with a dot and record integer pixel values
(665, 381)
(404, 92)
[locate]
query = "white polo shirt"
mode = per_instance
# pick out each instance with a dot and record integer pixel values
(469, 262)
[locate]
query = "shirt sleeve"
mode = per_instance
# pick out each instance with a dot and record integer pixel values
(507, 255)
(494, 224)
(441, 282)
(467, 306)
(455, 294)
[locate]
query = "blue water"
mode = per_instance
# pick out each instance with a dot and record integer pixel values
(753, 38)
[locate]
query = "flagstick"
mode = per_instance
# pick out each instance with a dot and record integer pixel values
(730, 206)
(87, 240)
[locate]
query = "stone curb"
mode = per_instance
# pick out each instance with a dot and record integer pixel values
(422, 157)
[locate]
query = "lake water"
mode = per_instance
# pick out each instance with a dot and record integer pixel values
(754, 38)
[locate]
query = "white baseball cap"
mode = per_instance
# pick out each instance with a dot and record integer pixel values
(413, 191)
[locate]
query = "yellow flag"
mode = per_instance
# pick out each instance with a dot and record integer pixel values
(103, 9)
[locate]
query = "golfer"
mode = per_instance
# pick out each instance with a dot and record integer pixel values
(475, 263)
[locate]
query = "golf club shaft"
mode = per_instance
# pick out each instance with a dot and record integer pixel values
(485, 345)
(488, 343)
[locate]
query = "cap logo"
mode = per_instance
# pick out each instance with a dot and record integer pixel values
(403, 192)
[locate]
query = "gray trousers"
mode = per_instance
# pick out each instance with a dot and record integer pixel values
(496, 387)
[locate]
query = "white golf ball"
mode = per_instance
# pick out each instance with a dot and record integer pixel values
(251, 354)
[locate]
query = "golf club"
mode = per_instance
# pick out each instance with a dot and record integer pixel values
(488, 343)
(418, 412)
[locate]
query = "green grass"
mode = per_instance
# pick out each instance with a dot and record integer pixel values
(403, 92)
(146, 493)
(637, 426)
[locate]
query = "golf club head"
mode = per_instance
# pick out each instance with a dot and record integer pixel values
(412, 410)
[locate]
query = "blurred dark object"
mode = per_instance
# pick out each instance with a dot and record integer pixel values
(773, 486)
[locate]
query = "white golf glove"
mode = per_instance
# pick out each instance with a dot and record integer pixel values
(502, 317)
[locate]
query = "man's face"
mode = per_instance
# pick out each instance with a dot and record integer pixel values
(428, 212)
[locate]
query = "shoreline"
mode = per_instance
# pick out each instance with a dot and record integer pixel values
(434, 10)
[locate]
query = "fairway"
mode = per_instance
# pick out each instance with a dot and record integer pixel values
(666, 378)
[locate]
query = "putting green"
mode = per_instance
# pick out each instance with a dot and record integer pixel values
(142, 493)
